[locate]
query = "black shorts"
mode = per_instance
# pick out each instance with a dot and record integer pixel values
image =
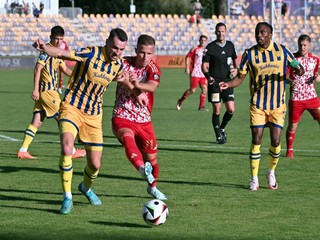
(215, 95)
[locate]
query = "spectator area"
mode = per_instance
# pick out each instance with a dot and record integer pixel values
(173, 33)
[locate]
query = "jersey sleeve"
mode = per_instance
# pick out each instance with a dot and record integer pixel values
(153, 73)
(82, 54)
(244, 64)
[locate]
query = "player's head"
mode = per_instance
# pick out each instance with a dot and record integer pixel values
(304, 44)
(221, 31)
(203, 40)
(263, 34)
(145, 50)
(116, 43)
(56, 36)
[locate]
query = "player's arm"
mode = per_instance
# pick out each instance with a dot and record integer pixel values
(233, 83)
(205, 70)
(52, 51)
(188, 62)
(67, 71)
(36, 81)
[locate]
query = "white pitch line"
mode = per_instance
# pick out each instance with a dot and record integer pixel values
(10, 138)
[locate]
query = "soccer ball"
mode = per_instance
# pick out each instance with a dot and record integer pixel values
(155, 212)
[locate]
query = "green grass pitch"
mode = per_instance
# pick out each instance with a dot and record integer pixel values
(207, 184)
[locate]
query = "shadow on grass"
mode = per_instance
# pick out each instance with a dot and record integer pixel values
(124, 224)
(10, 169)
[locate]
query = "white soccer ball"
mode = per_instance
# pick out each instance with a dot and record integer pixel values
(155, 212)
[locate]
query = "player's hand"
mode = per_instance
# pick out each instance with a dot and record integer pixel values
(35, 95)
(133, 78)
(39, 45)
(233, 73)
(123, 78)
(317, 78)
(211, 81)
(223, 85)
(187, 71)
(298, 70)
(142, 99)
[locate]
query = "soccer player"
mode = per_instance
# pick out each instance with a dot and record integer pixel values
(219, 65)
(266, 62)
(303, 95)
(131, 121)
(45, 95)
(64, 45)
(81, 109)
(193, 69)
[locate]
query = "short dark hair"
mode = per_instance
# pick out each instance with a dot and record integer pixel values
(220, 24)
(57, 31)
(265, 24)
(145, 39)
(122, 35)
(203, 36)
(304, 37)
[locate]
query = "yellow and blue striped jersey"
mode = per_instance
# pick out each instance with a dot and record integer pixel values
(92, 74)
(49, 75)
(267, 69)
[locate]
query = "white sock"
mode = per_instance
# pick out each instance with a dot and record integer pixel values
(23, 149)
(67, 195)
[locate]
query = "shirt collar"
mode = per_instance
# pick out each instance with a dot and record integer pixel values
(269, 48)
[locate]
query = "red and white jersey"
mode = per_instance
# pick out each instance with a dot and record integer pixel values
(126, 105)
(300, 88)
(196, 61)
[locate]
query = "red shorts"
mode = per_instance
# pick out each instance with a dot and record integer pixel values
(143, 133)
(296, 109)
(195, 81)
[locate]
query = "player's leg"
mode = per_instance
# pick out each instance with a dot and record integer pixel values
(147, 142)
(276, 123)
(257, 123)
(296, 109)
(228, 98)
(216, 122)
(90, 174)
(255, 156)
(124, 131)
(91, 134)
(203, 95)
(68, 134)
(188, 92)
(274, 155)
(30, 133)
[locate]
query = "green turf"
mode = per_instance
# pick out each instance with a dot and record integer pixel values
(207, 184)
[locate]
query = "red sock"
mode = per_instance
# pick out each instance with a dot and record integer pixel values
(155, 171)
(202, 100)
(132, 151)
(290, 139)
(184, 96)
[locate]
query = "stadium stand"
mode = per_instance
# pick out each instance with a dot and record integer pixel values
(174, 34)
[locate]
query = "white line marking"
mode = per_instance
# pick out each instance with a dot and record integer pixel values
(10, 138)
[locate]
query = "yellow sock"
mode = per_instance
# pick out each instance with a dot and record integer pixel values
(274, 155)
(89, 176)
(255, 156)
(66, 172)
(28, 136)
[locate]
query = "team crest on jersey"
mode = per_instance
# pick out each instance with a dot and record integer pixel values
(156, 76)
(42, 56)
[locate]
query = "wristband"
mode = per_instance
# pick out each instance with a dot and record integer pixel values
(207, 75)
